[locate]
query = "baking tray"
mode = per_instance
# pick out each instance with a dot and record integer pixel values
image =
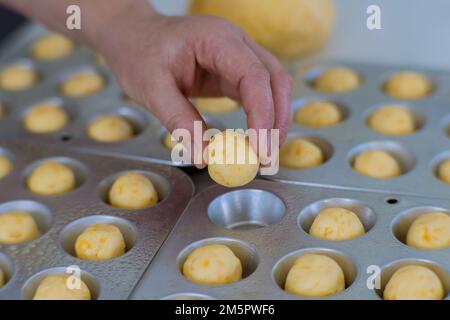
(147, 143)
(62, 218)
(268, 233)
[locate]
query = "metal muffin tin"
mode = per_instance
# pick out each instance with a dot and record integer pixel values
(270, 232)
(149, 133)
(418, 153)
(62, 218)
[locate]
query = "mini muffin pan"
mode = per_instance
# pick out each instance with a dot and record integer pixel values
(62, 218)
(268, 233)
(418, 153)
(149, 133)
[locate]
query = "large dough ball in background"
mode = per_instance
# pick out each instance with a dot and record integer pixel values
(377, 164)
(100, 242)
(216, 105)
(315, 275)
(337, 80)
(52, 47)
(56, 287)
(46, 118)
(392, 120)
(300, 153)
(443, 171)
(17, 227)
(336, 224)
(18, 77)
(288, 28)
(318, 114)
(214, 264)
(83, 84)
(414, 282)
(232, 162)
(51, 178)
(408, 86)
(110, 129)
(133, 191)
(6, 166)
(430, 231)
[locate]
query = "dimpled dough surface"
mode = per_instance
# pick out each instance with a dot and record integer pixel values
(377, 164)
(232, 161)
(315, 275)
(216, 105)
(83, 84)
(18, 77)
(51, 47)
(133, 191)
(408, 86)
(414, 283)
(336, 80)
(288, 28)
(110, 128)
(336, 224)
(56, 287)
(392, 120)
(46, 118)
(6, 166)
(320, 114)
(51, 178)
(17, 227)
(100, 242)
(214, 264)
(430, 231)
(300, 154)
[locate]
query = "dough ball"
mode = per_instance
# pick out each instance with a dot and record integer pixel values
(214, 264)
(336, 80)
(336, 224)
(288, 28)
(300, 153)
(315, 275)
(393, 120)
(18, 77)
(320, 114)
(100, 242)
(2, 278)
(111, 128)
(443, 171)
(216, 105)
(232, 161)
(59, 287)
(17, 227)
(52, 47)
(408, 86)
(170, 143)
(6, 166)
(46, 118)
(83, 84)
(414, 283)
(430, 231)
(133, 191)
(377, 164)
(51, 178)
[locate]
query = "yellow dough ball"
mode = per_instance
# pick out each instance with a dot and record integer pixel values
(17, 227)
(289, 28)
(216, 105)
(52, 47)
(2, 278)
(336, 224)
(51, 178)
(46, 118)
(377, 164)
(110, 129)
(18, 77)
(336, 80)
(170, 143)
(408, 86)
(60, 287)
(443, 171)
(100, 242)
(315, 275)
(320, 114)
(414, 282)
(83, 84)
(392, 120)
(232, 162)
(6, 166)
(214, 264)
(300, 154)
(133, 191)
(430, 231)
